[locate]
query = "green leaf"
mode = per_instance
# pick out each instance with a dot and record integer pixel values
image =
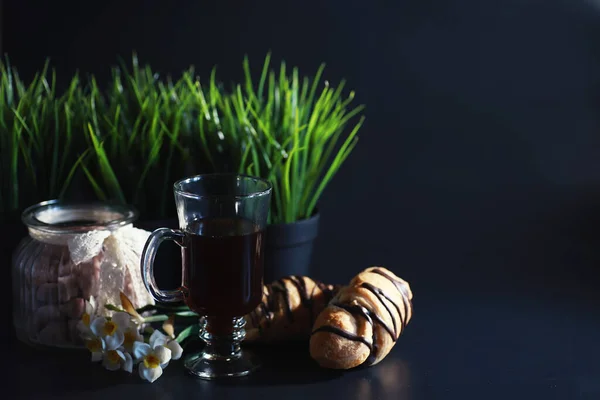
(113, 308)
(151, 161)
(263, 76)
(55, 150)
(95, 186)
(287, 187)
(72, 172)
(169, 309)
(187, 332)
(106, 170)
(345, 150)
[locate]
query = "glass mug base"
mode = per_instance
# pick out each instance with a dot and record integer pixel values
(241, 365)
(222, 357)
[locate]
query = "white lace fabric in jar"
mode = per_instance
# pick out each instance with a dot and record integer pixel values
(110, 262)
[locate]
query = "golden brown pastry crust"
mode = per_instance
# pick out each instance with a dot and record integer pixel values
(288, 309)
(363, 321)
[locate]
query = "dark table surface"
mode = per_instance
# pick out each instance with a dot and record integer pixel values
(466, 341)
(504, 307)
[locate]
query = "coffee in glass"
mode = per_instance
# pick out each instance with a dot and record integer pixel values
(222, 219)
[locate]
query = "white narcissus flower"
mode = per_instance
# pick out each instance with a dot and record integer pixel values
(94, 345)
(114, 360)
(130, 336)
(160, 339)
(112, 332)
(87, 318)
(151, 360)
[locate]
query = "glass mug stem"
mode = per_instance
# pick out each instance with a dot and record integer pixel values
(220, 346)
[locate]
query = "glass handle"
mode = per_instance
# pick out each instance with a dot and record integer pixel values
(150, 249)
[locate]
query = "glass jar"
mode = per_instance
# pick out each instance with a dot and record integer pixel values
(74, 254)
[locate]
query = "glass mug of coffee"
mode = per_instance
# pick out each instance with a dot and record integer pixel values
(222, 219)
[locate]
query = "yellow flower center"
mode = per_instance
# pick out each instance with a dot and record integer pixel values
(109, 328)
(151, 361)
(113, 357)
(86, 319)
(94, 345)
(130, 337)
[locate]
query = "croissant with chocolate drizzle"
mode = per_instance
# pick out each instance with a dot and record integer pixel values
(363, 321)
(288, 309)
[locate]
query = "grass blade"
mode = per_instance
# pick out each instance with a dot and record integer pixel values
(345, 150)
(71, 174)
(106, 170)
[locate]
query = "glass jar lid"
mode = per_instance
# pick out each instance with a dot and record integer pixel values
(57, 217)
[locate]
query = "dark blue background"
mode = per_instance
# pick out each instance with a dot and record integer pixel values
(477, 175)
(481, 149)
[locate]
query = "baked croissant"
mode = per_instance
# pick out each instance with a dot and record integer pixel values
(288, 309)
(363, 321)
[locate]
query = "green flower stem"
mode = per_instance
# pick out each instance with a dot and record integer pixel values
(187, 332)
(164, 317)
(113, 308)
(167, 309)
(156, 318)
(186, 314)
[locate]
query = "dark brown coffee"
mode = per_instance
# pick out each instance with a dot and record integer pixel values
(223, 266)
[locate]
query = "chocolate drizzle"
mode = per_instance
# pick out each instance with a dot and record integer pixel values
(278, 292)
(371, 316)
(279, 287)
(305, 299)
(366, 314)
(398, 283)
(344, 334)
(380, 296)
(401, 286)
(298, 282)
